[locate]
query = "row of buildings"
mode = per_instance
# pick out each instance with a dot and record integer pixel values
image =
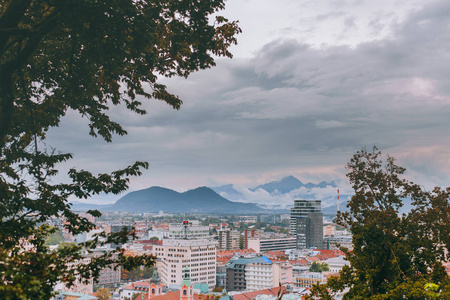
(188, 246)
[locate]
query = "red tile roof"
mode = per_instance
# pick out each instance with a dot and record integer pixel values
(251, 295)
(168, 296)
(137, 285)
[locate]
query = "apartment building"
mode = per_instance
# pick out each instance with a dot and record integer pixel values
(79, 286)
(236, 271)
(228, 239)
(308, 279)
(261, 276)
(199, 255)
(272, 243)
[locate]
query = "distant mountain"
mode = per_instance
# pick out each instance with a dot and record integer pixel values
(228, 192)
(199, 200)
(289, 184)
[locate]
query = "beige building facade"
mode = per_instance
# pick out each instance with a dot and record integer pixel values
(199, 255)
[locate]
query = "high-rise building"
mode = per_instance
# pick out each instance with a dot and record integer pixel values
(248, 234)
(228, 239)
(307, 223)
(177, 254)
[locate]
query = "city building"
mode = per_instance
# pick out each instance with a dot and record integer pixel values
(272, 242)
(248, 219)
(79, 285)
(329, 230)
(261, 276)
(188, 230)
(248, 234)
(335, 264)
(308, 279)
(187, 292)
(157, 233)
(307, 224)
(221, 275)
(199, 255)
(228, 239)
(60, 295)
(236, 271)
(146, 288)
(335, 242)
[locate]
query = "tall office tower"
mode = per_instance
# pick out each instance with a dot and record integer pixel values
(307, 223)
(228, 239)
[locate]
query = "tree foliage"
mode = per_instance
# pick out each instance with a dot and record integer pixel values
(319, 267)
(84, 56)
(137, 273)
(54, 238)
(103, 294)
(395, 255)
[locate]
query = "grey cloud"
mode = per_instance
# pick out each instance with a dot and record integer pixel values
(293, 107)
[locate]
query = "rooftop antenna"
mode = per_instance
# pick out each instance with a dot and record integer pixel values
(185, 229)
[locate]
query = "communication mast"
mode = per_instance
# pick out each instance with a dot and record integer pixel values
(185, 229)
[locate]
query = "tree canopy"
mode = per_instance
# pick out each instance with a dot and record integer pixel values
(85, 56)
(319, 267)
(395, 255)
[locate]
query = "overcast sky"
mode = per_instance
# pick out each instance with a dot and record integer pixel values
(311, 82)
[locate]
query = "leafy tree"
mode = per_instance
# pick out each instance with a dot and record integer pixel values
(103, 294)
(67, 245)
(395, 255)
(319, 267)
(86, 57)
(241, 242)
(54, 238)
(137, 273)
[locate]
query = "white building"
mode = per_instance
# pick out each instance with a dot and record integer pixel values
(199, 255)
(308, 279)
(260, 276)
(272, 243)
(189, 229)
(248, 219)
(336, 263)
(158, 233)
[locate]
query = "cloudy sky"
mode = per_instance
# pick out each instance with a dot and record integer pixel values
(311, 82)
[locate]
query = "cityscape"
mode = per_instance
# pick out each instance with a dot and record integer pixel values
(236, 254)
(224, 150)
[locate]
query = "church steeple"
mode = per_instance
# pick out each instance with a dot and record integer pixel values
(155, 287)
(186, 292)
(155, 276)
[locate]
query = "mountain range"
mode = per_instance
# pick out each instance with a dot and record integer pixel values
(155, 199)
(278, 195)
